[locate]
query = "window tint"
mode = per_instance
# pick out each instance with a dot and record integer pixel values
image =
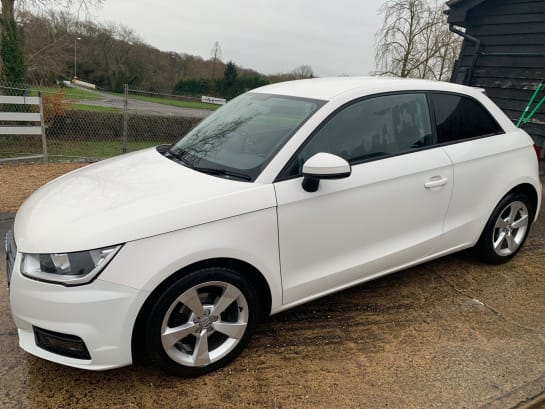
(461, 118)
(371, 128)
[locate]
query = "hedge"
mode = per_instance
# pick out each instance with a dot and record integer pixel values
(90, 125)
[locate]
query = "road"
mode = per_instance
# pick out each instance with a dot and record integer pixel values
(451, 333)
(115, 101)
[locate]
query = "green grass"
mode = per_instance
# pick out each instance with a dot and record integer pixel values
(74, 149)
(93, 108)
(72, 94)
(176, 103)
(94, 149)
(69, 93)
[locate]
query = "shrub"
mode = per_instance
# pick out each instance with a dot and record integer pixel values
(53, 106)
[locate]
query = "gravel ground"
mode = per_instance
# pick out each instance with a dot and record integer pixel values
(452, 333)
(18, 181)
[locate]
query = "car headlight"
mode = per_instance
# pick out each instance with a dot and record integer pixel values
(67, 268)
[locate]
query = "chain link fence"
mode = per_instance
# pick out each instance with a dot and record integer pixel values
(88, 125)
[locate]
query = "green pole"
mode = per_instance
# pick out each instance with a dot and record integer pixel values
(522, 117)
(534, 111)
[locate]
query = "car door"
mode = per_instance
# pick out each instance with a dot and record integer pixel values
(484, 158)
(387, 214)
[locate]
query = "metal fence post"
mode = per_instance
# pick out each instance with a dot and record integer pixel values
(126, 119)
(42, 123)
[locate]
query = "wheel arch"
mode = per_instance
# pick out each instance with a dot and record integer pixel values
(249, 271)
(525, 188)
(530, 191)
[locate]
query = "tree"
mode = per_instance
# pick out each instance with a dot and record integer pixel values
(11, 48)
(230, 76)
(302, 72)
(111, 55)
(216, 55)
(8, 6)
(12, 54)
(230, 73)
(414, 40)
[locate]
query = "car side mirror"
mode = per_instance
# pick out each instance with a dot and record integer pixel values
(323, 166)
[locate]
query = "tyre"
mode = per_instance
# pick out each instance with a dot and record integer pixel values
(201, 322)
(506, 230)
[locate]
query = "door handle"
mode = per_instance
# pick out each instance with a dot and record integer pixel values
(435, 181)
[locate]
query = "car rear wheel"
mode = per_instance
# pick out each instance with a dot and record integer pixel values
(202, 321)
(506, 229)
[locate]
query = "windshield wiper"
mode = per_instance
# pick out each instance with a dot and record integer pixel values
(222, 172)
(180, 155)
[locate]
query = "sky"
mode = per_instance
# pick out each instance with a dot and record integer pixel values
(270, 36)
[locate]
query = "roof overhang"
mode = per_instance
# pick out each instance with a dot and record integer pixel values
(458, 9)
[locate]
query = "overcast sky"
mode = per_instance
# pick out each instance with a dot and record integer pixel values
(270, 36)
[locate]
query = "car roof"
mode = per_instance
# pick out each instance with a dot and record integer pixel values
(328, 88)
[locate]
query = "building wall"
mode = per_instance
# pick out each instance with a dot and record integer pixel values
(511, 63)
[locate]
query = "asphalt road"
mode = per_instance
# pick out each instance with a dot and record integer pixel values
(452, 333)
(114, 101)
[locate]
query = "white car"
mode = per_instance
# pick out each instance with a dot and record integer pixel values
(286, 194)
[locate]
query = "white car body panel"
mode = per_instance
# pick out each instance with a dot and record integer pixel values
(101, 313)
(134, 196)
(380, 217)
(251, 238)
(476, 161)
(305, 245)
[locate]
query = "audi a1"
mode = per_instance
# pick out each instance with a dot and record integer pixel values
(288, 193)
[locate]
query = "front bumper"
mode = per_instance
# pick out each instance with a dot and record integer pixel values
(11, 251)
(102, 314)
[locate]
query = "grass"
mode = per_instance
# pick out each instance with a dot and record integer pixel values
(92, 108)
(79, 149)
(176, 103)
(69, 93)
(73, 94)
(94, 149)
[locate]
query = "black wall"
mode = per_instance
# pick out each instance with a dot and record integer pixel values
(511, 62)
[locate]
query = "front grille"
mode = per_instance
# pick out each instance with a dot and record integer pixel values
(11, 252)
(61, 344)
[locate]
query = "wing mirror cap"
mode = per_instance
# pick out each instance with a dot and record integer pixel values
(324, 166)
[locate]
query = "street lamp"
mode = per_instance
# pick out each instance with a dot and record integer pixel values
(76, 57)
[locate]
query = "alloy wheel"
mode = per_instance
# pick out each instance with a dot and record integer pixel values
(510, 228)
(204, 324)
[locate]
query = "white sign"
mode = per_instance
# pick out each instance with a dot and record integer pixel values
(212, 100)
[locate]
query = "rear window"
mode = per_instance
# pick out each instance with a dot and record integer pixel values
(460, 118)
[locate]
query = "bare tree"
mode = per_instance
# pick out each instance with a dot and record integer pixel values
(8, 6)
(11, 45)
(414, 40)
(47, 42)
(303, 71)
(216, 55)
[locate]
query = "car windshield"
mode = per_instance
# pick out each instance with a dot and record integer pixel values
(244, 135)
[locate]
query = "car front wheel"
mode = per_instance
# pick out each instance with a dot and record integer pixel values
(506, 229)
(202, 321)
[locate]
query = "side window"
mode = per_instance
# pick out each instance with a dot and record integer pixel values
(371, 128)
(461, 118)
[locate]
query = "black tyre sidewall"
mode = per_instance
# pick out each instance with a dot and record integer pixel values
(484, 247)
(165, 300)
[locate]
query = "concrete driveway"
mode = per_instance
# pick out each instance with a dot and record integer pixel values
(452, 333)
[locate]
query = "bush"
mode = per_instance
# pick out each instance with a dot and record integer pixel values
(53, 106)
